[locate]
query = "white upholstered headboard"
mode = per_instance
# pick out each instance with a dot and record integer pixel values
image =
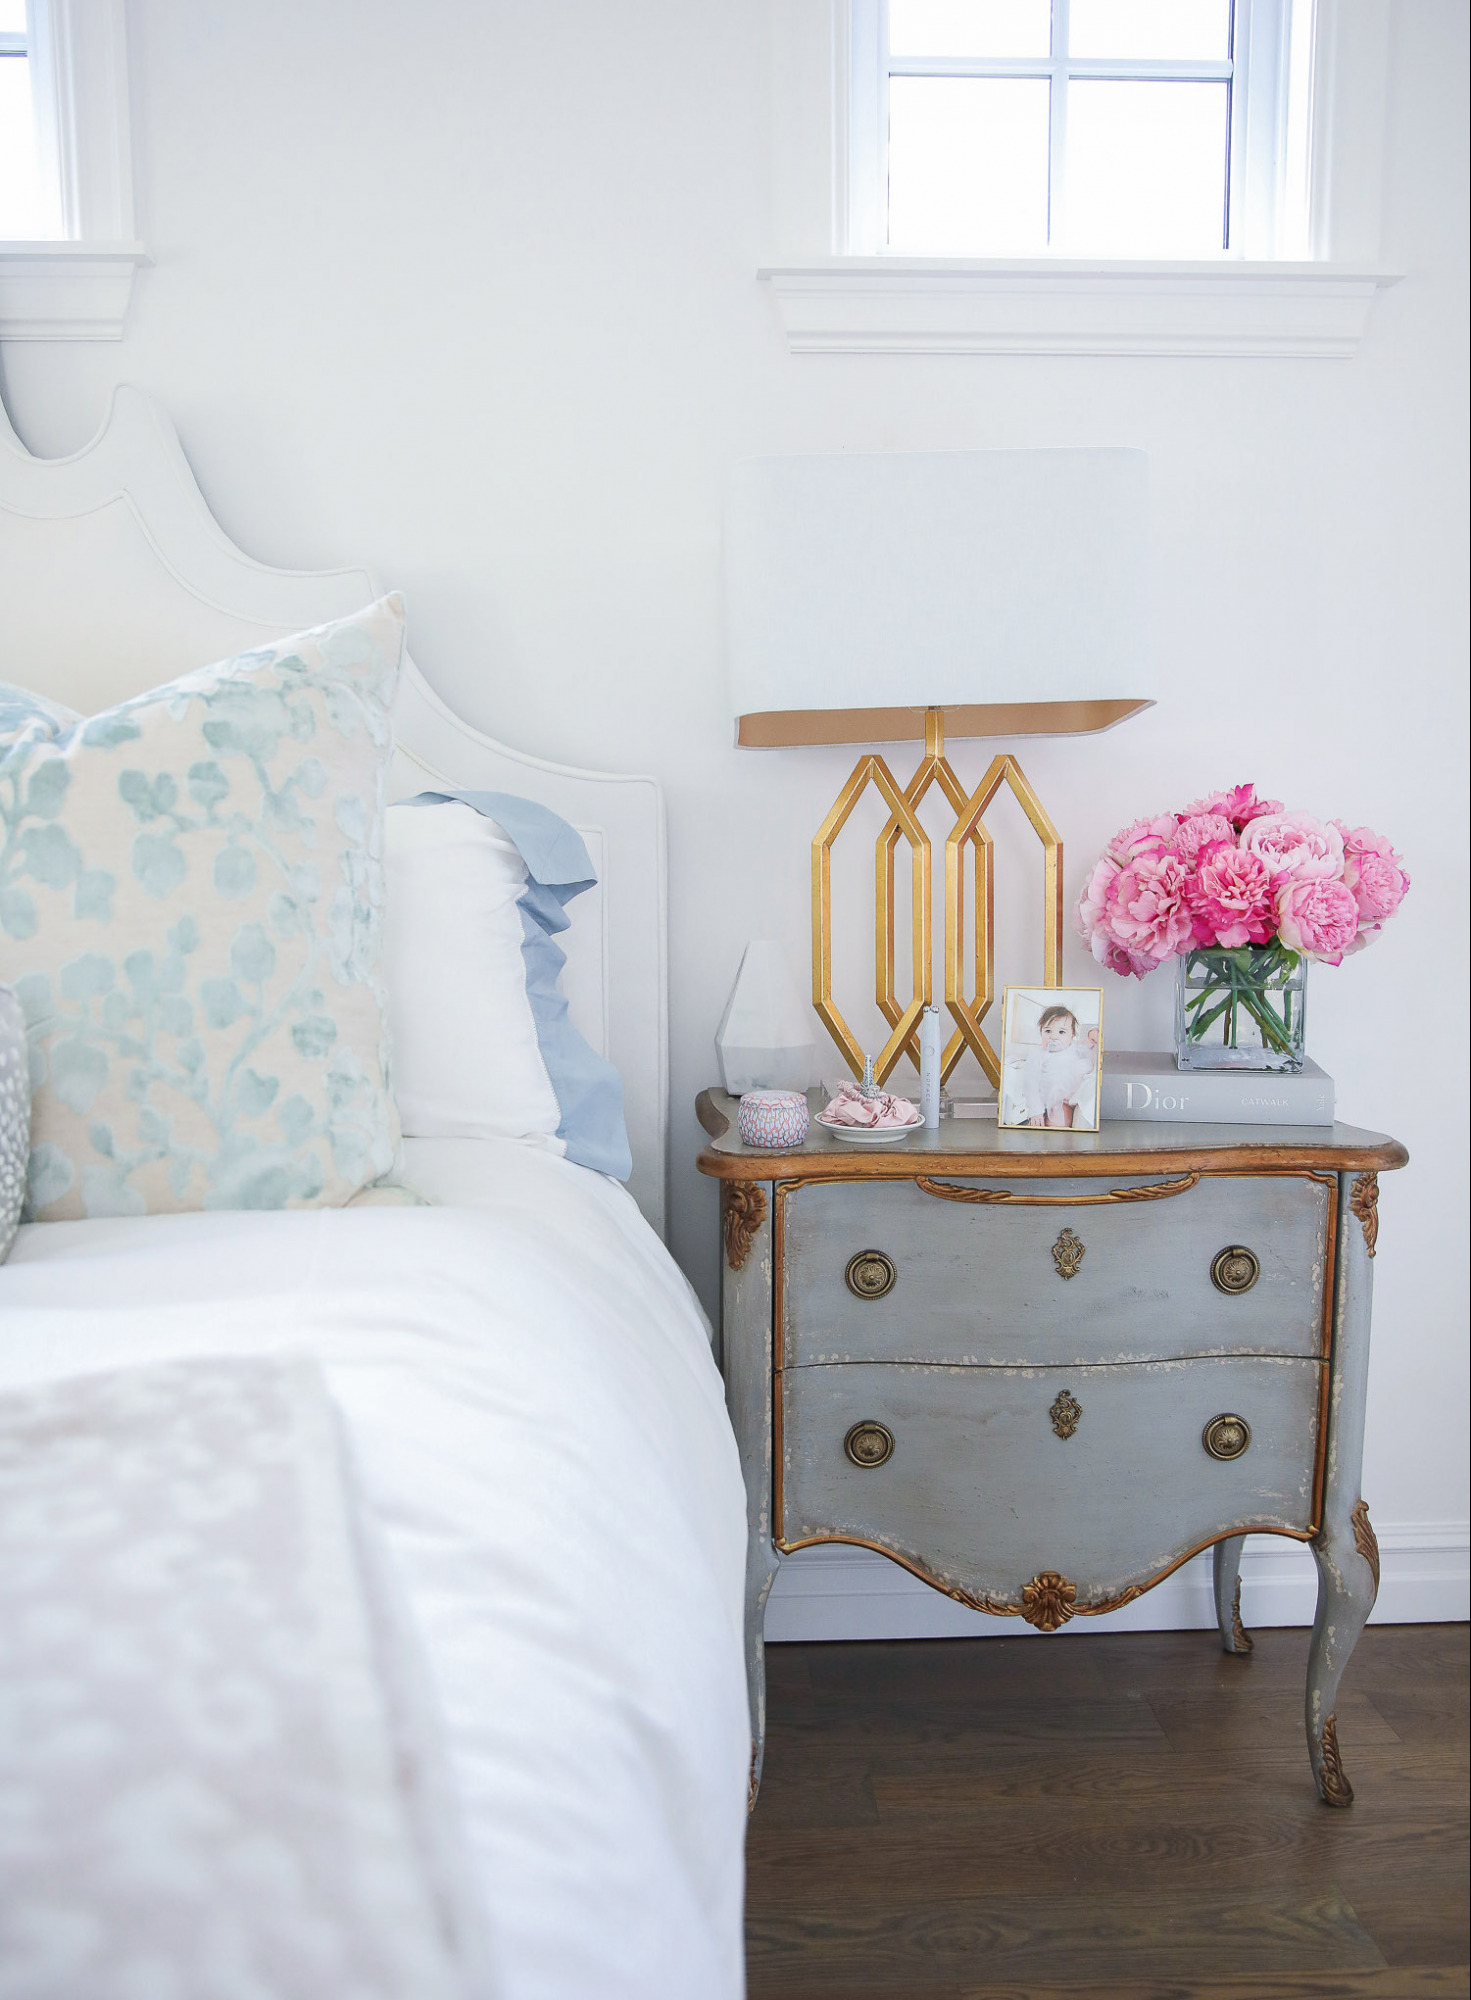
(115, 577)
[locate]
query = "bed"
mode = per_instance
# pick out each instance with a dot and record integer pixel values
(518, 1380)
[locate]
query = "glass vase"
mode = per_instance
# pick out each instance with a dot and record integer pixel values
(1240, 1009)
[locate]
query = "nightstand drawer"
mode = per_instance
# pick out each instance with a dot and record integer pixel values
(983, 1478)
(1036, 1272)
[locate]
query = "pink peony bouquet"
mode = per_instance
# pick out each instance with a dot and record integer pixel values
(1235, 871)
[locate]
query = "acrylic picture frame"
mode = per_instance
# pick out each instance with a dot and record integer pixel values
(1051, 1073)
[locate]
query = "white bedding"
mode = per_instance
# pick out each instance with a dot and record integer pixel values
(540, 1432)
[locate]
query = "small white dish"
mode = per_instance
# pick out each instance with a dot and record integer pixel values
(865, 1135)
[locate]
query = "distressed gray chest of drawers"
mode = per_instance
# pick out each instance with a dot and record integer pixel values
(1042, 1370)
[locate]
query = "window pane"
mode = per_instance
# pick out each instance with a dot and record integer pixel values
(969, 27)
(1159, 30)
(968, 165)
(1146, 169)
(12, 17)
(22, 210)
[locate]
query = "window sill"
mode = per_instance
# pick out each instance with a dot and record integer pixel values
(893, 305)
(67, 291)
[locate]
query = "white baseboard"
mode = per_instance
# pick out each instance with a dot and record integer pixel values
(837, 1592)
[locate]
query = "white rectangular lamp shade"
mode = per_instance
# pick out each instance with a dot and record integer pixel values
(1005, 587)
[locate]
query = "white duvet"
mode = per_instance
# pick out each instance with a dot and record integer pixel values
(540, 1433)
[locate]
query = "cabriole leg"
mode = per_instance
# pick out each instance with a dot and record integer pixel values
(1346, 1586)
(1345, 1550)
(1234, 1636)
(746, 1324)
(761, 1568)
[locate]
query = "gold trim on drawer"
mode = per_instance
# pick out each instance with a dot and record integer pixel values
(952, 1191)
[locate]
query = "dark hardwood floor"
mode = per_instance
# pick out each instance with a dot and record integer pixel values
(1129, 1817)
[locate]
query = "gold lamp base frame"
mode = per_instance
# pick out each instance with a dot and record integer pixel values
(969, 831)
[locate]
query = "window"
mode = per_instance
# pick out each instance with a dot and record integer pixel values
(1164, 129)
(67, 254)
(25, 210)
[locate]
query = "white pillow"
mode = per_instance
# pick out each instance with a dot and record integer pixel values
(467, 1062)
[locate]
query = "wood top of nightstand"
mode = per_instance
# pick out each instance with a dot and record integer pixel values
(973, 1146)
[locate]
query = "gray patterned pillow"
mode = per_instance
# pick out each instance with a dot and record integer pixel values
(15, 1116)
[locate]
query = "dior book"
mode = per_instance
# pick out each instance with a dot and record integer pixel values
(1148, 1086)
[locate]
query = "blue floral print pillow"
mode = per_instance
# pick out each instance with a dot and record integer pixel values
(191, 905)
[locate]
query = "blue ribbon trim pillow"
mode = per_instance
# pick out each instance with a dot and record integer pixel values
(588, 1089)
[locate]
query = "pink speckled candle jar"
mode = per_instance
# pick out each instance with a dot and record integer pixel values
(773, 1118)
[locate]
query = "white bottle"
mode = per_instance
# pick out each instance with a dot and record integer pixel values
(929, 1067)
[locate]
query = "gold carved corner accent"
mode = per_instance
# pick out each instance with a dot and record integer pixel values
(1240, 1637)
(1365, 1540)
(1364, 1201)
(872, 770)
(1048, 1600)
(744, 1210)
(1065, 1413)
(1332, 1780)
(1068, 1253)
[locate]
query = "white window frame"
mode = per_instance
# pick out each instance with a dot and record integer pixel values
(1258, 183)
(77, 283)
(1311, 299)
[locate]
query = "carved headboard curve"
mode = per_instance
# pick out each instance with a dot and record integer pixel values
(115, 577)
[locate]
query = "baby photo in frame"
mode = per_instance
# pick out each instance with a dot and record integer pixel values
(1051, 1057)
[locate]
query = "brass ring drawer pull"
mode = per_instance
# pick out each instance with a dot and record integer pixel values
(870, 1275)
(869, 1444)
(1226, 1436)
(1235, 1269)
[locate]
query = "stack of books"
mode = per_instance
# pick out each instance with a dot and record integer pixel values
(1147, 1087)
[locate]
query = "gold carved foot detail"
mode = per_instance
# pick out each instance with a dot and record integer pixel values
(1241, 1638)
(1332, 1781)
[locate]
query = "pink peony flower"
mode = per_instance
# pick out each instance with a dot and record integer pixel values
(1373, 874)
(1295, 847)
(1201, 830)
(1240, 805)
(1145, 836)
(1231, 899)
(1318, 917)
(1097, 894)
(1094, 922)
(1149, 916)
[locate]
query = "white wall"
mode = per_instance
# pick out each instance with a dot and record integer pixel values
(467, 291)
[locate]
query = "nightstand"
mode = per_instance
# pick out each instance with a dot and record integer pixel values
(1042, 1370)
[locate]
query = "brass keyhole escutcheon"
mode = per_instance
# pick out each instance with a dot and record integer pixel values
(1235, 1269)
(869, 1444)
(1068, 1253)
(1226, 1436)
(870, 1275)
(1065, 1413)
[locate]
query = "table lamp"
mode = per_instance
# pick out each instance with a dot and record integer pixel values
(902, 597)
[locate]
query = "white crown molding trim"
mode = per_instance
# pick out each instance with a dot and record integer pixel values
(836, 1592)
(67, 291)
(891, 305)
